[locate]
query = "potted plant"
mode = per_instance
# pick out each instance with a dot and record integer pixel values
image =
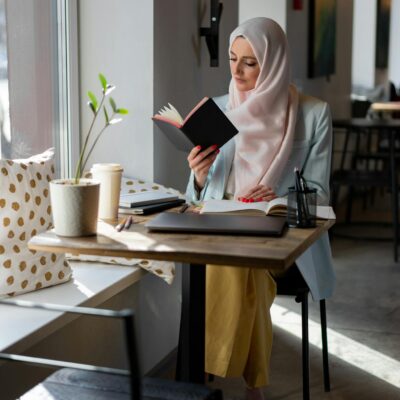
(75, 201)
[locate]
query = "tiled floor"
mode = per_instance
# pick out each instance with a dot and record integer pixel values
(364, 332)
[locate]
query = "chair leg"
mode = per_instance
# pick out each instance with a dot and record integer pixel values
(305, 346)
(325, 360)
(349, 204)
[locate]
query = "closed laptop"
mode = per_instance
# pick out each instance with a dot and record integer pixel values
(222, 224)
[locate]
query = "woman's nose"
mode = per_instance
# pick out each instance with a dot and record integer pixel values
(238, 69)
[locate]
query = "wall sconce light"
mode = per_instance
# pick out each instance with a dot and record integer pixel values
(212, 33)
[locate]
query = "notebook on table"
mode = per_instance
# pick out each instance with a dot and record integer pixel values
(222, 224)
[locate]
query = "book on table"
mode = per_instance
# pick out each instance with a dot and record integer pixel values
(131, 200)
(205, 125)
(276, 206)
(151, 208)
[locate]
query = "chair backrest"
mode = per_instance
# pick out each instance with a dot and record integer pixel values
(126, 315)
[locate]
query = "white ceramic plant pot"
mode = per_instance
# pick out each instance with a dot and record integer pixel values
(74, 206)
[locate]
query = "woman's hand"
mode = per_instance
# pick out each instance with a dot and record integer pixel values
(200, 163)
(258, 193)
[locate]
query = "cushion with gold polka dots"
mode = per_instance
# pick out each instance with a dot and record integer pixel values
(25, 211)
(163, 269)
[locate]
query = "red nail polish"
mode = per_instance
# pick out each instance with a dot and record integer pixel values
(258, 199)
(198, 147)
(251, 200)
(217, 151)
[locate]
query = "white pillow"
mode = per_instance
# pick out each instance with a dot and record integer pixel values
(25, 211)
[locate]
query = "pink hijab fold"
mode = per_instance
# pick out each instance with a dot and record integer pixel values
(266, 115)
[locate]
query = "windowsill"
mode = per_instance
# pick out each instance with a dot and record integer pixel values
(92, 284)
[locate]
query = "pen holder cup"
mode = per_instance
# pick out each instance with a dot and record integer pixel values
(301, 208)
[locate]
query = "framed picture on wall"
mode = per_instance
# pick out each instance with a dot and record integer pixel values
(382, 33)
(321, 38)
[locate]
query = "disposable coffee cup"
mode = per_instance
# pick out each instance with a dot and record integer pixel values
(109, 176)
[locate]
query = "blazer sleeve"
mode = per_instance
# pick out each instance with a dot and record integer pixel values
(192, 195)
(317, 166)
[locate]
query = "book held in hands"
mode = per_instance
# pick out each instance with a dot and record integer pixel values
(276, 206)
(204, 126)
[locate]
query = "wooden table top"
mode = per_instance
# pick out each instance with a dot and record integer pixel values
(386, 106)
(137, 242)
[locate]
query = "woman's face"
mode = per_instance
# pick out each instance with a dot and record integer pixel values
(244, 65)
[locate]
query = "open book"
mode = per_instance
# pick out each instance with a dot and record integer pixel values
(277, 206)
(205, 125)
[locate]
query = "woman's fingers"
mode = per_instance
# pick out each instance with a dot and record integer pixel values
(193, 153)
(196, 157)
(205, 164)
(258, 193)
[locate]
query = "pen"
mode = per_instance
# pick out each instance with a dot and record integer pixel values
(301, 211)
(124, 224)
(183, 208)
(128, 222)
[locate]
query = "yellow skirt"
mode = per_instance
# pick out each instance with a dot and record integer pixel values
(238, 323)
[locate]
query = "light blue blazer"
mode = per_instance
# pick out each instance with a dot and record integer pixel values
(311, 154)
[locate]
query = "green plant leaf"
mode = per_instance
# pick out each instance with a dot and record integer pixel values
(115, 121)
(106, 115)
(103, 82)
(121, 111)
(113, 105)
(92, 107)
(93, 100)
(109, 89)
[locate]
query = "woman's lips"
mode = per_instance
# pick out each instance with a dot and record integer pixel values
(239, 80)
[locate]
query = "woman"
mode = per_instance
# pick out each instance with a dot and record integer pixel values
(279, 129)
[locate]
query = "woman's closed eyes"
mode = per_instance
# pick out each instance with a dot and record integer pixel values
(247, 63)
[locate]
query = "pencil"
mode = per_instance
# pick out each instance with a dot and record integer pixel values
(184, 208)
(121, 225)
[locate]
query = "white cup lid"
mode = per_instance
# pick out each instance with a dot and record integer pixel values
(107, 167)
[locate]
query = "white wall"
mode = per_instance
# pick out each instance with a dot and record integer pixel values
(364, 43)
(179, 79)
(275, 9)
(394, 46)
(116, 39)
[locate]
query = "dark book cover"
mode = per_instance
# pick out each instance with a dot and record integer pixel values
(206, 126)
(151, 208)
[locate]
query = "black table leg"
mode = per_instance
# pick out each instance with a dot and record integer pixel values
(395, 193)
(190, 364)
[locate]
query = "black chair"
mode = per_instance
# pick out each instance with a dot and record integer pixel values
(363, 170)
(293, 284)
(82, 381)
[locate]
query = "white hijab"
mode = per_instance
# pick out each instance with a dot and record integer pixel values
(266, 115)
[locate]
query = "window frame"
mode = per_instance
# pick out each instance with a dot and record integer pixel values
(68, 138)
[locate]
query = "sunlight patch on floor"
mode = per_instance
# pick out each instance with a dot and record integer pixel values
(348, 350)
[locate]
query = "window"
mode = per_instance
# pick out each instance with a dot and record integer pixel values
(42, 78)
(5, 139)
